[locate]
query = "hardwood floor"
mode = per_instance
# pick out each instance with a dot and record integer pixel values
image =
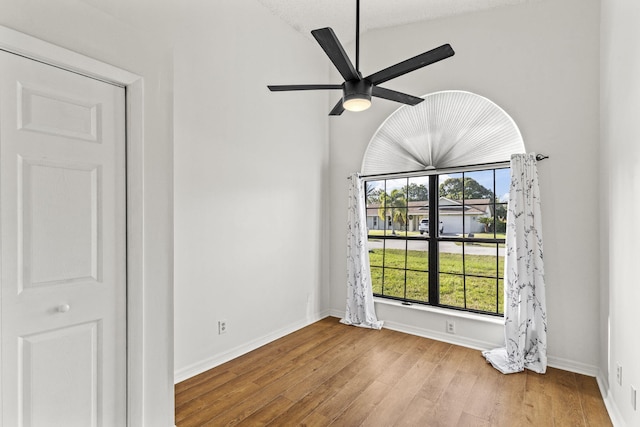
(332, 374)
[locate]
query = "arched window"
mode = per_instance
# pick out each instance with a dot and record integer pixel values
(439, 174)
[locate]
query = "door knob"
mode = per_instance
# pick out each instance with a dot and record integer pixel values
(63, 308)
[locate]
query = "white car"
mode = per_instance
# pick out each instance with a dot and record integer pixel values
(423, 227)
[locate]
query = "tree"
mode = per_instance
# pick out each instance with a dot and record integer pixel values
(393, 205)
(452, 189)
(487, 221)
(500, 211)
(416, 192)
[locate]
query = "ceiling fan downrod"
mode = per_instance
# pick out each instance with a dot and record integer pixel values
(358, 36)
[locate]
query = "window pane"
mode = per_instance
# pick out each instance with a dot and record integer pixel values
(418, 286)
(481, 259)
(501, 220)
(418, 255)
(373, 190)
(376, 280)
(478, 204)
(450, 207)
(503, 182)
(393, 206)
(451, 257)
(501, 261)
(376, 252)
(393, 284)
(481, 293)
(401, 221)
(375, 225)
(395, 254)
(418, 203)
(452, 290)
(418, 189)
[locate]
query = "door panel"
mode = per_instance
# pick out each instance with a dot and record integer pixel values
(60, 224)
(63, 241)
(59, 388)
(51, 113)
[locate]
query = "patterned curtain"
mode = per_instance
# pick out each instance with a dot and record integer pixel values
(525, 314)
(360, 310)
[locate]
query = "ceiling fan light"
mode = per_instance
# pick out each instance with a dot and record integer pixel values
(357, 103)
(356, 95)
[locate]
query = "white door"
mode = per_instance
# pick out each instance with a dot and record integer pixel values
(63, 243)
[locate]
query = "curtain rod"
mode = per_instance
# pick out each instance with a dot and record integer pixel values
(409, 174)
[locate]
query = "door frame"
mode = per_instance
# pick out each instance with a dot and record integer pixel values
(30, 47)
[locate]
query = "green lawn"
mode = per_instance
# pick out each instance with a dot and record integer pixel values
(481, 291)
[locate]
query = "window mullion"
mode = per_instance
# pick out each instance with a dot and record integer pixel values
(434, 281)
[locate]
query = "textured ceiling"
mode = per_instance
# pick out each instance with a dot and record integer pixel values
(307, 15)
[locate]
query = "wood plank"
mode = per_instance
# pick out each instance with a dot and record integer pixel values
(507, 407)
(537, 401)
(468, 420)
(592, 404)
(419, 412)
(214, 402)
(563, 389)
(259, 398)
(322, 384)
(396, 402)
(362, 405)
(483, 395)
(210, 383)
(268, 412)
(365, 370)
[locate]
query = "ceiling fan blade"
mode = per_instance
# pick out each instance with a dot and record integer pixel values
(279, 88)
(412, 64)
(338, 109)
(392, 95)
(334, 50)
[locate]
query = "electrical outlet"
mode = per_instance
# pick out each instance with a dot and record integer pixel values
(222, 327)
(451, 327)
(619, 373)
(633, 398)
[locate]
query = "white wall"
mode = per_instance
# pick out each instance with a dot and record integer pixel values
(79, 27)
(250, 182)
(539, 62)
(620, 198)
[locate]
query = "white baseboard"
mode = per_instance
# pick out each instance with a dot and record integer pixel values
(438, 336)
(204, 365)
(573, 366)
(609, 403)
(428, 333)
(335, 313)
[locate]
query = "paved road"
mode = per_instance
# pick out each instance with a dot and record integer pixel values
(449, 247)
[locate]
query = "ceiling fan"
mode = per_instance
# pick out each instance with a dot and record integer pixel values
(357, 90)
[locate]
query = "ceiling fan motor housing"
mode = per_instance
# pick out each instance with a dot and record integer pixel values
(356, 89)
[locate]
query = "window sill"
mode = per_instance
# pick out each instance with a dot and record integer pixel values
(442, 311)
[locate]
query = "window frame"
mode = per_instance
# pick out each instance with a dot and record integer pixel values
(434, 238)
